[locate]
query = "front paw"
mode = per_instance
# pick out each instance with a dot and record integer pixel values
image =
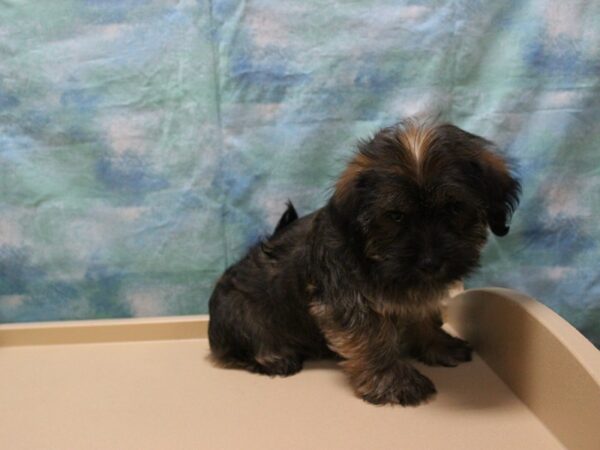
(407, 387)
(446, 350)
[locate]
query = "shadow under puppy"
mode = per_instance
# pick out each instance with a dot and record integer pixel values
(361, 279)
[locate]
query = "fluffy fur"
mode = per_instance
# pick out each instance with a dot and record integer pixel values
(361, 278)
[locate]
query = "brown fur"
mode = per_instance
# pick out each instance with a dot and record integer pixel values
(348, 176)
(361, 279)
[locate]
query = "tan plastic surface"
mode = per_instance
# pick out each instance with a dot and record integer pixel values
(147, 384)
(553, 369)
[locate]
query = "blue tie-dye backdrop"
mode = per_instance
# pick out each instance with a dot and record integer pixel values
(145, 144)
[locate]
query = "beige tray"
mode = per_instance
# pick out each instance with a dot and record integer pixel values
(147, 384)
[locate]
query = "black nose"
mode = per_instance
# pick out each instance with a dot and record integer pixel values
(429, 264)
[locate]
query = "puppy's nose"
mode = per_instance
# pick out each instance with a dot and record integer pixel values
(429, 265)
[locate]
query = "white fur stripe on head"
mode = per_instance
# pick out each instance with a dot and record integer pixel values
(416, 138)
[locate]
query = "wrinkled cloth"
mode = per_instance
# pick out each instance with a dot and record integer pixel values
(145, 145)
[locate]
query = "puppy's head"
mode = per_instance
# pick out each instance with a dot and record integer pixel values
(416, 202)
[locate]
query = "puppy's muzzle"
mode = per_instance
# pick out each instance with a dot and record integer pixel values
(429, 265)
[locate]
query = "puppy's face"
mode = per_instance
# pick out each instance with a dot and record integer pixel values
(417, 201)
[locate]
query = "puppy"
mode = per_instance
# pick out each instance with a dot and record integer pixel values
(361, 279)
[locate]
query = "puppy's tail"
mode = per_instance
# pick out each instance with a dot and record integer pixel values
(290, 215)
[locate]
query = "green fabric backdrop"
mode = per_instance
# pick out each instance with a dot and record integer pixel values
(144, 145)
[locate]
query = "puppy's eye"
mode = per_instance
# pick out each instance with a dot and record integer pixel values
(454, 209)
(396, 216)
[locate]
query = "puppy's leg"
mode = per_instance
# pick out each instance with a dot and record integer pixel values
(272, 361)
(253, 346)
(242, 337)
(373, 359)
(433, 346)
(277, 362)
(382, 382)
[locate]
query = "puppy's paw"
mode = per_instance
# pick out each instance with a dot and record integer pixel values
(447, 351)
(275, 365)
(410, 388)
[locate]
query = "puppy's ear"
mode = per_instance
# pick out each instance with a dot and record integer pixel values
(352, 190)
(491, 176)
(502, 190)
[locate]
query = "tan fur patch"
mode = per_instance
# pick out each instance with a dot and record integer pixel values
(371, 352)
(357, 347)
(412, 311)
(353, 343)
(266, 359)
(416, 139)
(412, 137)
(350, 344)
(348, 177)
(495, 162)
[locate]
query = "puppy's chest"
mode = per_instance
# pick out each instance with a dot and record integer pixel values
(358, 307)
(408, 307)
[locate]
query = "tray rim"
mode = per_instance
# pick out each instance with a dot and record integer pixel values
(104, 331)
(545, 361)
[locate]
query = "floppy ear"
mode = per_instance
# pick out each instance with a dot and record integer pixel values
(502, 190)
(349, 201)
(352, 191)
(491, 176)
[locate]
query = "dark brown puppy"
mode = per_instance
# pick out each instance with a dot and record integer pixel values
(362, 277)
